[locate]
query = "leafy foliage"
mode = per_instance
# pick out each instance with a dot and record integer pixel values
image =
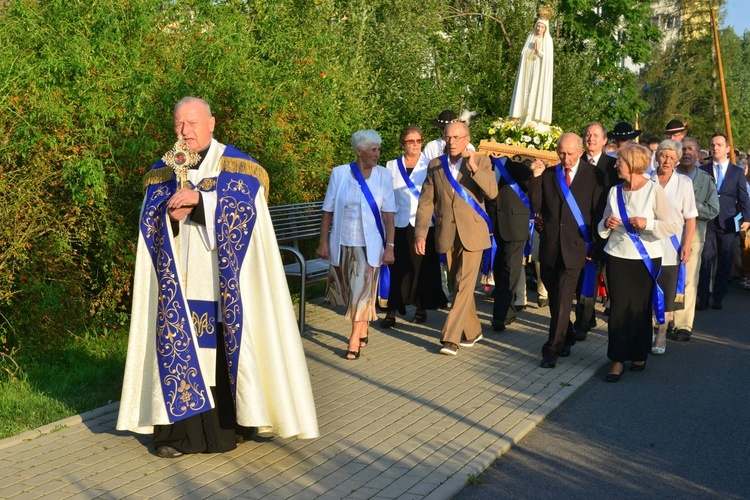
(87, 88)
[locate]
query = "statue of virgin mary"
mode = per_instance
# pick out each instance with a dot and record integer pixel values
(531, 103)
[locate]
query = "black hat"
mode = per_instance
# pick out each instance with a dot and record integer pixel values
(674, 126)
(445, 118)
(623, 131)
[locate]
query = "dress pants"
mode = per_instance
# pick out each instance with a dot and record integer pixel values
(507, 270)
(463, 270)
(683, 318)
(720, 246)
(561, 286)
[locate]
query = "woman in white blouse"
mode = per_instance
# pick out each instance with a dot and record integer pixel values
(679, 191)
(630, 283)
(356, 245)
(415, 279)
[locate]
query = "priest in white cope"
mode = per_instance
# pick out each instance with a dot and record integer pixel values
(214, 350)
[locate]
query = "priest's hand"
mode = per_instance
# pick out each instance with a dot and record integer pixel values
(184, 197)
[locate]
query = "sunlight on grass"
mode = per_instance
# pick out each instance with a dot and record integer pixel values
(83, 375)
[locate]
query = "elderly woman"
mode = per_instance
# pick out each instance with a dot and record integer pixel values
(637, 216)
(415, 279)
(361, 240)
(676, 249)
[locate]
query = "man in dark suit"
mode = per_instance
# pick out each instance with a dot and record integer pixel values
(721, 231)
(563, 250)
(460, 230)
(510, 217)
(594, 139)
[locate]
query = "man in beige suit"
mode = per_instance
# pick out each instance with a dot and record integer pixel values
(461, 230)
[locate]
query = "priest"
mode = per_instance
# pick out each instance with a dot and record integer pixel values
(214, 353)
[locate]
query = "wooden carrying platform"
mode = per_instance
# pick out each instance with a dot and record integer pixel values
(517, 153)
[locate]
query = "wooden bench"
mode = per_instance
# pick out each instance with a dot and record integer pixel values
(292, 224)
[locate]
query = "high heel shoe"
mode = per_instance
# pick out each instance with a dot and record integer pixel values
(355, 355)
(656, 349)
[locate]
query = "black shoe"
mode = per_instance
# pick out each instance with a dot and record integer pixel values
(167, 452)
(388, 322)
(701, 305)
(717, 305)
(581, 335)
(542, 302)
(670, 326)
(614, 377)
(606, 311)
(548, 363)
(498, 325)
(520, 308)
(565, 351)
(681, 335)
(637, 368)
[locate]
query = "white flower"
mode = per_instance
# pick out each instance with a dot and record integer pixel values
(508, 141)
(525, 138)
(531, 146)
(536, 139)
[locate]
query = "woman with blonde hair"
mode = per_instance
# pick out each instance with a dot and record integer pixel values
(637, 216)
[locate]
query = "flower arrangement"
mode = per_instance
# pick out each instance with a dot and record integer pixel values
(511, 133)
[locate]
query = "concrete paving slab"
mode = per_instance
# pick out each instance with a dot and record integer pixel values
(400, 422)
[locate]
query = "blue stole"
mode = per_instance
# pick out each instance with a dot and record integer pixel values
(499, 164)
(185, 393)
(681, 273)
(488, 256)
(657, 295)
(384, 283)
(415, 192)
(589, 272)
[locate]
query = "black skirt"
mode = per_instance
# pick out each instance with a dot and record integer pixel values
(415, 279)
(630, 308)
(668, 284)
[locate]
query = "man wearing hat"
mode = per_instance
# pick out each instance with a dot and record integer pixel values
(675, 130)
(435, 148)
(623, 134)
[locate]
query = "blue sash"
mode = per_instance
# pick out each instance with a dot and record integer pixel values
(657, 295)
(488, 257)
(384, 284)
(407, 180)
(681, 273)
(500, 166)
(589, 271)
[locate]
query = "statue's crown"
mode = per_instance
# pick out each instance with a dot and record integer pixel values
(545, 12)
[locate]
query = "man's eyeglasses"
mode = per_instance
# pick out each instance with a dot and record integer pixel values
(455, 137)
(412, 141)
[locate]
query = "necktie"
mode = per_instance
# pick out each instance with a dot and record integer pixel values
(567, 176)
(591, 160)
(719, 176)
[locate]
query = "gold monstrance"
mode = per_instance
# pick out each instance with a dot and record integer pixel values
(181, 158)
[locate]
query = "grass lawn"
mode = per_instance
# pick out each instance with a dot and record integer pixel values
(84, 374)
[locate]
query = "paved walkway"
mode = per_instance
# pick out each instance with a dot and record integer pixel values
(401, 422)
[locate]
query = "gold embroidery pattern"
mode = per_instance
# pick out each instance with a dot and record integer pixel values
(207, 184)
(234, 223)
(181, 381)
(203, 324)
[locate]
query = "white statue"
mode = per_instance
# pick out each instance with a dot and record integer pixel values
(531, 103)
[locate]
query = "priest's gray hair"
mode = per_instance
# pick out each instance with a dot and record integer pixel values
(669, 145)
(188, 99)
(363, 138)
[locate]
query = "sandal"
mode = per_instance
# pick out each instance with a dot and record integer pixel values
(363, 341)
(355, 355)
